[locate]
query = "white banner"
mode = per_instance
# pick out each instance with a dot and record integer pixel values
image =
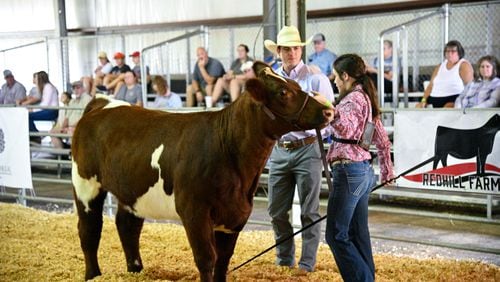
(15, 167)
(466, 146)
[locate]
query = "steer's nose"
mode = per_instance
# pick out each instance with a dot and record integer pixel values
(328, 114)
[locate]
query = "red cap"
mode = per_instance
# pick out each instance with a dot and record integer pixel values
(135, 54)
(119, 55)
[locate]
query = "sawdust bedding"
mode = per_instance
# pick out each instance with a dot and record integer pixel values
(41, 246)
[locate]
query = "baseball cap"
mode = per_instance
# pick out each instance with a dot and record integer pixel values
(102, 54)
(77, 83)
(135, 54)
(318, 37)
(7, 73)
(119, 55)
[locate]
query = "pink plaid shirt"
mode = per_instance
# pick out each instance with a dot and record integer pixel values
(348, 123)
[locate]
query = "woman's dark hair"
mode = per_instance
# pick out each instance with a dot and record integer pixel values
(493, 62)
(42, 78)
(455, 43)
(355, 67)
(244, 47)
(67, 94)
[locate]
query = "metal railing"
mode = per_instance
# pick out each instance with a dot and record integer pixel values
(402, 34)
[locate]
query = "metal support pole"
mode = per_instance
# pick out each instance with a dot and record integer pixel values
(62, 33)
(232, 44)
(405, 66)
(395, 70)
(301, 23)
(446, 25)
(490, 17)
(270, 25)
(188, 61)
(144, 83)
(416, 65)
(489, 206)
(380, 72)
(22, 197)
(109, 200)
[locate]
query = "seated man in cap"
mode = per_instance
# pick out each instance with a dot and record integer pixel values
(114, 80)
(12, 91)
(296, 160)
(206, 72)
(136, 59)
(71, 118)
(322, 57)
(100, 72)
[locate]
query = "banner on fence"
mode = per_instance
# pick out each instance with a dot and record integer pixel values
(466, 147)
(15, 167)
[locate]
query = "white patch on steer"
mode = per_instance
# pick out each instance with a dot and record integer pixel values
(156, 203)
(85, 189)
(113, 103)
(222, 228)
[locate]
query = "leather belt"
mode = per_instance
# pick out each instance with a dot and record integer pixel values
(293, 145)
(340, 161)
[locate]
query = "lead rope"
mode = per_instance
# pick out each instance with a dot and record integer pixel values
(330, 188)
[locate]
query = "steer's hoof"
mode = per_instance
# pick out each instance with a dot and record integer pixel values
(134, 267)
(92, 274)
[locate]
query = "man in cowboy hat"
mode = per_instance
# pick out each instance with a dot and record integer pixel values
(296, 159)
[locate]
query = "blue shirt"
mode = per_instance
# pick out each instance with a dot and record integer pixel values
(387, 64)
(324, 60)
(308, 81)
(169, 101)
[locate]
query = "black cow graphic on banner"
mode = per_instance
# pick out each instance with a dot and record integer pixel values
(466, 143)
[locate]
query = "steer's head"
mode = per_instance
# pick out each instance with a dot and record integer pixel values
(284, 101)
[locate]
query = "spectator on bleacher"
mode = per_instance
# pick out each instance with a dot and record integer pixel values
(448, 79)
(206, 72)
(56, 141)
(115, 79)
(165, 99)
(12, 91)
(130, 91)
(136, 59)
(273, 61)
(34, 96)
(322, 57)
(234, 79)
(101, 71)
(49, 98)
(485, 92)
(347, 231)
(71, 117)
(388, 68)
(296, 160)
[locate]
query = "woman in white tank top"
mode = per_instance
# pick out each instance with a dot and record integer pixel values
(448, 79)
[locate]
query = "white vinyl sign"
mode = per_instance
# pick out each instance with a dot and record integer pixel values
(15, 167)
(466, 147)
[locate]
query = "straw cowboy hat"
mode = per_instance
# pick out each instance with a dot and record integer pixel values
(288, 36)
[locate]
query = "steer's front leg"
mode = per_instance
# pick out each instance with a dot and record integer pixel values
(199, 230)
(225, 243)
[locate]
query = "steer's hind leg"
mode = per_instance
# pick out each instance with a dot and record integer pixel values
(224, 243)
(129, 228)
(89, 230)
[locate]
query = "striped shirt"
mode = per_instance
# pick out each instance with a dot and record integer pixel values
(349, 122)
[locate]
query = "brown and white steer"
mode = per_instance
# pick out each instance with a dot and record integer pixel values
(200, 167)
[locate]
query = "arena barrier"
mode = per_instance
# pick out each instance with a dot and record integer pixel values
(61, 164)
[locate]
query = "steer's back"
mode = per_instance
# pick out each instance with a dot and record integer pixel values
(128, 150)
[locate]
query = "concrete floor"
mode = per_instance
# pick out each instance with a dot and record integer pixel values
(392, 233)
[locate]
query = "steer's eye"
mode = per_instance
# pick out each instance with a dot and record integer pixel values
(283, 92)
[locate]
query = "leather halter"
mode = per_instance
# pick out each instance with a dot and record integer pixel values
(292, 119)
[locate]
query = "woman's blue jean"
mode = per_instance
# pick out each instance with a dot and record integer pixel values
(41, 115)
(347, 231)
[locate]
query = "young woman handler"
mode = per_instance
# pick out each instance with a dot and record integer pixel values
(356, 112)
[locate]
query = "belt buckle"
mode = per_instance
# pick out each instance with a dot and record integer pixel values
(287, 145)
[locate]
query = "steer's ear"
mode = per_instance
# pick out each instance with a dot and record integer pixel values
(257, 89)
(258, 67)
